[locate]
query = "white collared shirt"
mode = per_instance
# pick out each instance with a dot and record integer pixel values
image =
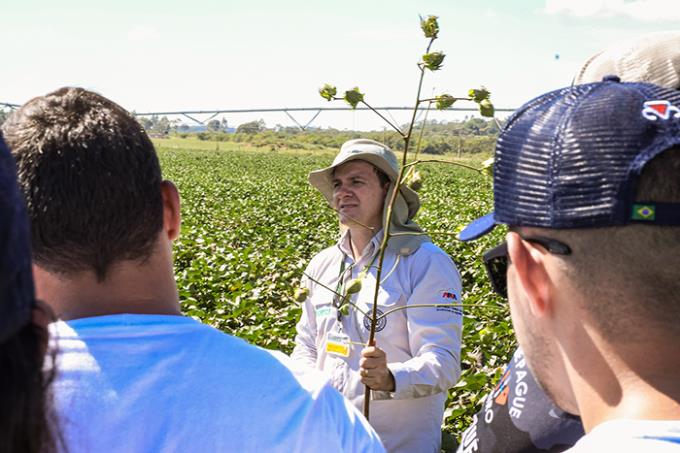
(422, 344)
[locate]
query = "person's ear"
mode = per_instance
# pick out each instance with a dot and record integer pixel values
(529, 265)
(386, 188)
(172, 219)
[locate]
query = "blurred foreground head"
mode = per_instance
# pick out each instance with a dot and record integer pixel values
(588, 179)
(652, 58)
(26, 423)
(91, 179)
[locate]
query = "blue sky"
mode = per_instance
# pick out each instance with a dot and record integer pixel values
(153, 55)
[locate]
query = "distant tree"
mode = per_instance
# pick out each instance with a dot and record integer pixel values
(183, 127)
(162, 126)
(252, 127)
(214, 126)
(3, 116)
(146, 122)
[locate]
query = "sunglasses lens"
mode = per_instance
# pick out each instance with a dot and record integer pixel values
(496, 261)
(497, 268)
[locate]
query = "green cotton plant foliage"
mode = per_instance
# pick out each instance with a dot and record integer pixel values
(354, 286)
(444, 101)
(328, 92)
(487, 166)
(301, 294)
(486, 108)
(353, 97)
(479, 94)
(430, 26)
(433, 60)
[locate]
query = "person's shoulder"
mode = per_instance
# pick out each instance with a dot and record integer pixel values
(429, 255)
(337, 425)
(654, 436)
(324, 258)
(430, 249)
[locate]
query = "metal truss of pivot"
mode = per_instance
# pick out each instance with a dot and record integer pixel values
(11, 106)
(191, 114)
(287, 110)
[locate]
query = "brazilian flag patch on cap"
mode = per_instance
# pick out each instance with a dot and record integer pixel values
(644, 212)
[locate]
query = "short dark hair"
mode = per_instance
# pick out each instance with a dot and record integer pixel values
(630, 273)
(382, 176)
(91, 179)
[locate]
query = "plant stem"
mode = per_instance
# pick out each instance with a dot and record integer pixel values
(383, 118)
(321, 284)
(414, 233)
(406, 307)
(455, 98)
(388, 223)
(416, 162)
(422, 130)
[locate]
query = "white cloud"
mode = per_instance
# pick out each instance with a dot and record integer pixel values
(644, 10)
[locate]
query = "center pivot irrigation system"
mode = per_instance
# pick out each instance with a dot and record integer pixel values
(191, 114)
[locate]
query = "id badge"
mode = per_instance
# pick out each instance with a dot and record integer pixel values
(337, 343)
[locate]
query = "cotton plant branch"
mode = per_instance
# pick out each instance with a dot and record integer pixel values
(441, 161)
(422, 130)
(430, 61)
(405, 307)
(301, 296)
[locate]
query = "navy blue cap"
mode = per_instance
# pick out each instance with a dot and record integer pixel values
(16, 281)
(571, 158)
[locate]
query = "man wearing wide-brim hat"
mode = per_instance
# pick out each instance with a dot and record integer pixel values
(416, 358)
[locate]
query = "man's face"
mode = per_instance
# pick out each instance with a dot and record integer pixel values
(538, 337)
(357, 194)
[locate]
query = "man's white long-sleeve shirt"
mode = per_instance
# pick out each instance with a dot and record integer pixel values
(422, 344)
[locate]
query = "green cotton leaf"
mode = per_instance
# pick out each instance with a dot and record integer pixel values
(487, 166)
(486, 108)
(353, 97)
(328, 92)
(444, 101)
(415, 181)
(433, 60)
(354, 286)
(430, 26)
(301, 294)
(479, 94)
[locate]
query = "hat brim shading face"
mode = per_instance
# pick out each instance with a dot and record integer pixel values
(374, 153)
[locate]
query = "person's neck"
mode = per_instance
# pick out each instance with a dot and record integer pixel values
(644, 386)
(129, 287)
(359, 238)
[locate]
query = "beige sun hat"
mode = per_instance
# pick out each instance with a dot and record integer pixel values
(407, 203)
(652, 58)
(375, 153)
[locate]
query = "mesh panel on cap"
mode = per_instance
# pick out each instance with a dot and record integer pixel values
(591, 135)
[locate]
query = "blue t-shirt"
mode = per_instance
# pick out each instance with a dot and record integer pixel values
(154, 383)
(639, 436)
